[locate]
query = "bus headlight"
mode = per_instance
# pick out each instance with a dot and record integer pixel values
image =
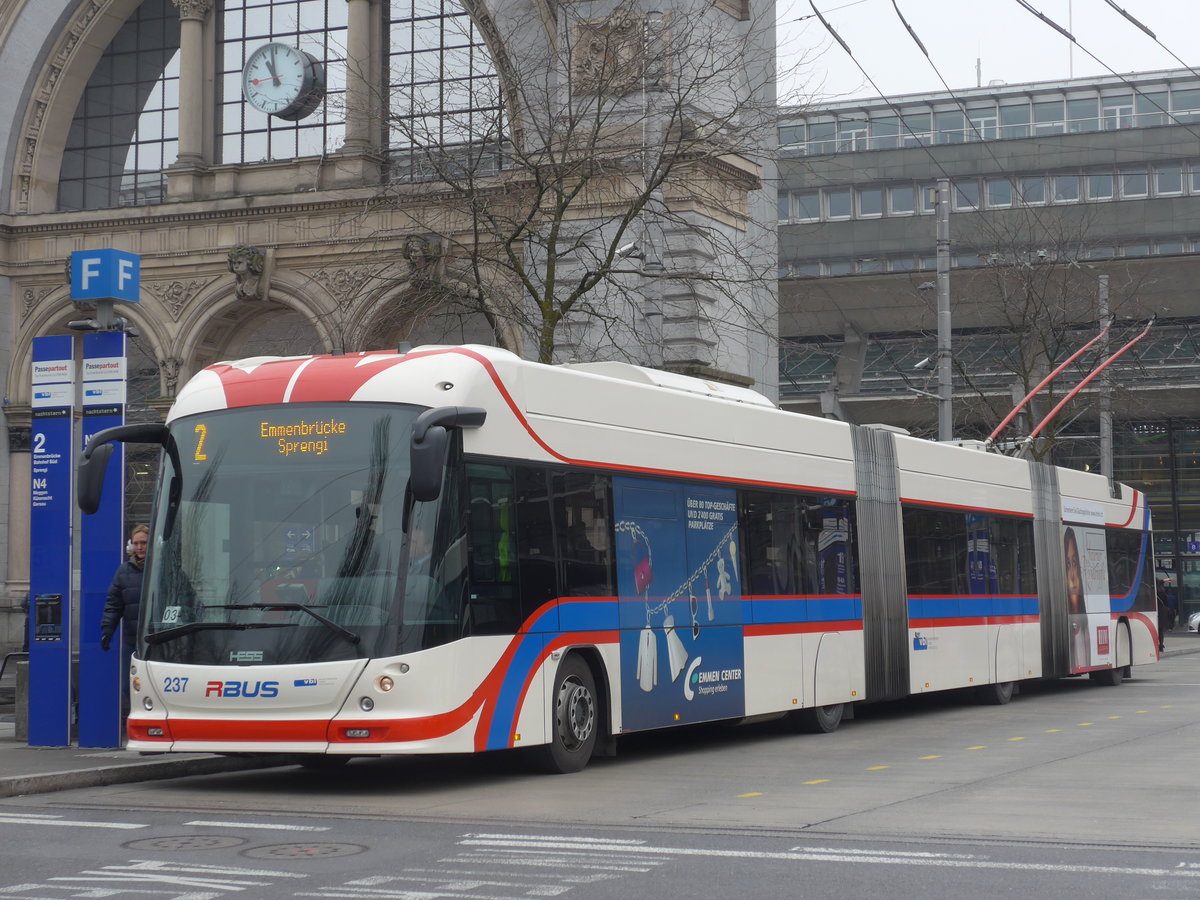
(366, 704)
(147, 703)
(384, 683)
(137, 684)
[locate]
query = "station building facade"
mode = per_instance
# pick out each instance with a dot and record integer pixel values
(1066, 199)
(129, 124)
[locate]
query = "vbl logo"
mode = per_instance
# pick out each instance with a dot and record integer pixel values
(230, 689)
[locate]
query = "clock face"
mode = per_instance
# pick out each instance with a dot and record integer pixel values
(283, 81)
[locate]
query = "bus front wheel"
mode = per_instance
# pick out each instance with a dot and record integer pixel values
(576, 720)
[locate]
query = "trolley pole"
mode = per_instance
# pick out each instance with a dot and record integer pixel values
(1106, 432)
(944, 363)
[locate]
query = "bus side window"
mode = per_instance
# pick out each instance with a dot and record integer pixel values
(494, 602)
(583, 524)
(536, 559)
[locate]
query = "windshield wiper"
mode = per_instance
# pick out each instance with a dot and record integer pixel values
(328, 623)
(169, 634)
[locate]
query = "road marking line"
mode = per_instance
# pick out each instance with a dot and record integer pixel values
(67, 823)
(877, 768)
(1017, 739)
(882, 857)
(1085, 724)
(1114, 717)
(265, 825)
(931, 757)
(817, 781)
(1053, 731)
(979, 747)
(751, 794)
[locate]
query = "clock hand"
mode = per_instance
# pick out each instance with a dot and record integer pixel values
(271, 68)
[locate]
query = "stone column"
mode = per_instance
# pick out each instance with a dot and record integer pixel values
(193, 14)
(360, 161)
(359, 88)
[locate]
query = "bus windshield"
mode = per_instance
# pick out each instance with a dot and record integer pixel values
(288, 542)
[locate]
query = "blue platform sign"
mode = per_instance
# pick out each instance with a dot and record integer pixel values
(50, 516)
(102, 543)
(105, 275)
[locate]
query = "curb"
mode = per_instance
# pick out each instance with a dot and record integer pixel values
(126, 773)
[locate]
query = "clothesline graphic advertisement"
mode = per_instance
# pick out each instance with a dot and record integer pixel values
(681, 603)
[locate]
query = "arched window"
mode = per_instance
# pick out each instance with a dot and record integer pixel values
(443, 91)
(316, 26)
(126, 127)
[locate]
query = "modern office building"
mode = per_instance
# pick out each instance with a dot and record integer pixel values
(278, 200)
(1065, 198)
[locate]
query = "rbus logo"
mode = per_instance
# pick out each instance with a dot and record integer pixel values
(230, 689)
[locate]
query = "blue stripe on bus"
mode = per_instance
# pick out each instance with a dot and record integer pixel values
(972, 606)
(780, 610)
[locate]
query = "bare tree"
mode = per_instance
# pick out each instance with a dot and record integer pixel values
(595, 194)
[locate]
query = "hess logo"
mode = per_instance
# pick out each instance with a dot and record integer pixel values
(243, 689)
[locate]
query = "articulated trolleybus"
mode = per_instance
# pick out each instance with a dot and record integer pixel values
(451, 550)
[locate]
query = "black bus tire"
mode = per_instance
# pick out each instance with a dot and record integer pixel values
(575, 723)
(818, 719)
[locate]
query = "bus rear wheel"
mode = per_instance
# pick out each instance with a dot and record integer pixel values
(996, 694)
(576, 720)
(818, 720)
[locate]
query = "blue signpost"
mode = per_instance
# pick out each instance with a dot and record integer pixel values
(99, 276)
(50, 516)
(102, 542)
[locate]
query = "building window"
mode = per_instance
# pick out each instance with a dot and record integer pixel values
(1168, 180)
(1116, 112)
(1169, 248)
(966, 195)
(902, 264)
(1185, 104)
(806, 206)
(983, 122)
(852, 135)
(918, 129)
(1134, 250)
(1082, 115)
(949, 127)
(1135, 183)
(1100, 187)
(999, 193)
(901, 200)
(1033, 190)
(1066, 188)
(1150, 108)
(443, 90)
(1014, 120)
(126, 127)
(791, 134)
(870, 202)
(837, 203)
(821, 137)
(839, 267)
(784, 207)
(249, 136)
(1048, 117)
(929, 198)
(885, 133)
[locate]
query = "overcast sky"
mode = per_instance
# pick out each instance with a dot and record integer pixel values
(1011, 44)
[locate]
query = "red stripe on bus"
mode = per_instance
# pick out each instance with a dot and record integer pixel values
(984, 509)
(1133, 507)
(801, 628)
(972, 621)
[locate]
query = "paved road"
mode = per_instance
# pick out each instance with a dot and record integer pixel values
(1072, 790)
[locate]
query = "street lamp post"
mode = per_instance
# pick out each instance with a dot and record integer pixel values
(944, 359)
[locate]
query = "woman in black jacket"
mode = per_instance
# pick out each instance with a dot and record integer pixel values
(123, 602)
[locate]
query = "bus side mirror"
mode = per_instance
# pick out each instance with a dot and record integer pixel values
(430, 440)
(89, 482)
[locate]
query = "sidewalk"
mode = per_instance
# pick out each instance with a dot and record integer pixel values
(37, 770)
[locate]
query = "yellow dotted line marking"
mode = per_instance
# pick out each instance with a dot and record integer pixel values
(1114, 717)
(980, 747)
(1053, 730)
(818, 781)
(1086, 724)
(1140, 712)
(877, 768)
(1017, 739)
(751, 794)
(931, 757)
(1167, 707)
